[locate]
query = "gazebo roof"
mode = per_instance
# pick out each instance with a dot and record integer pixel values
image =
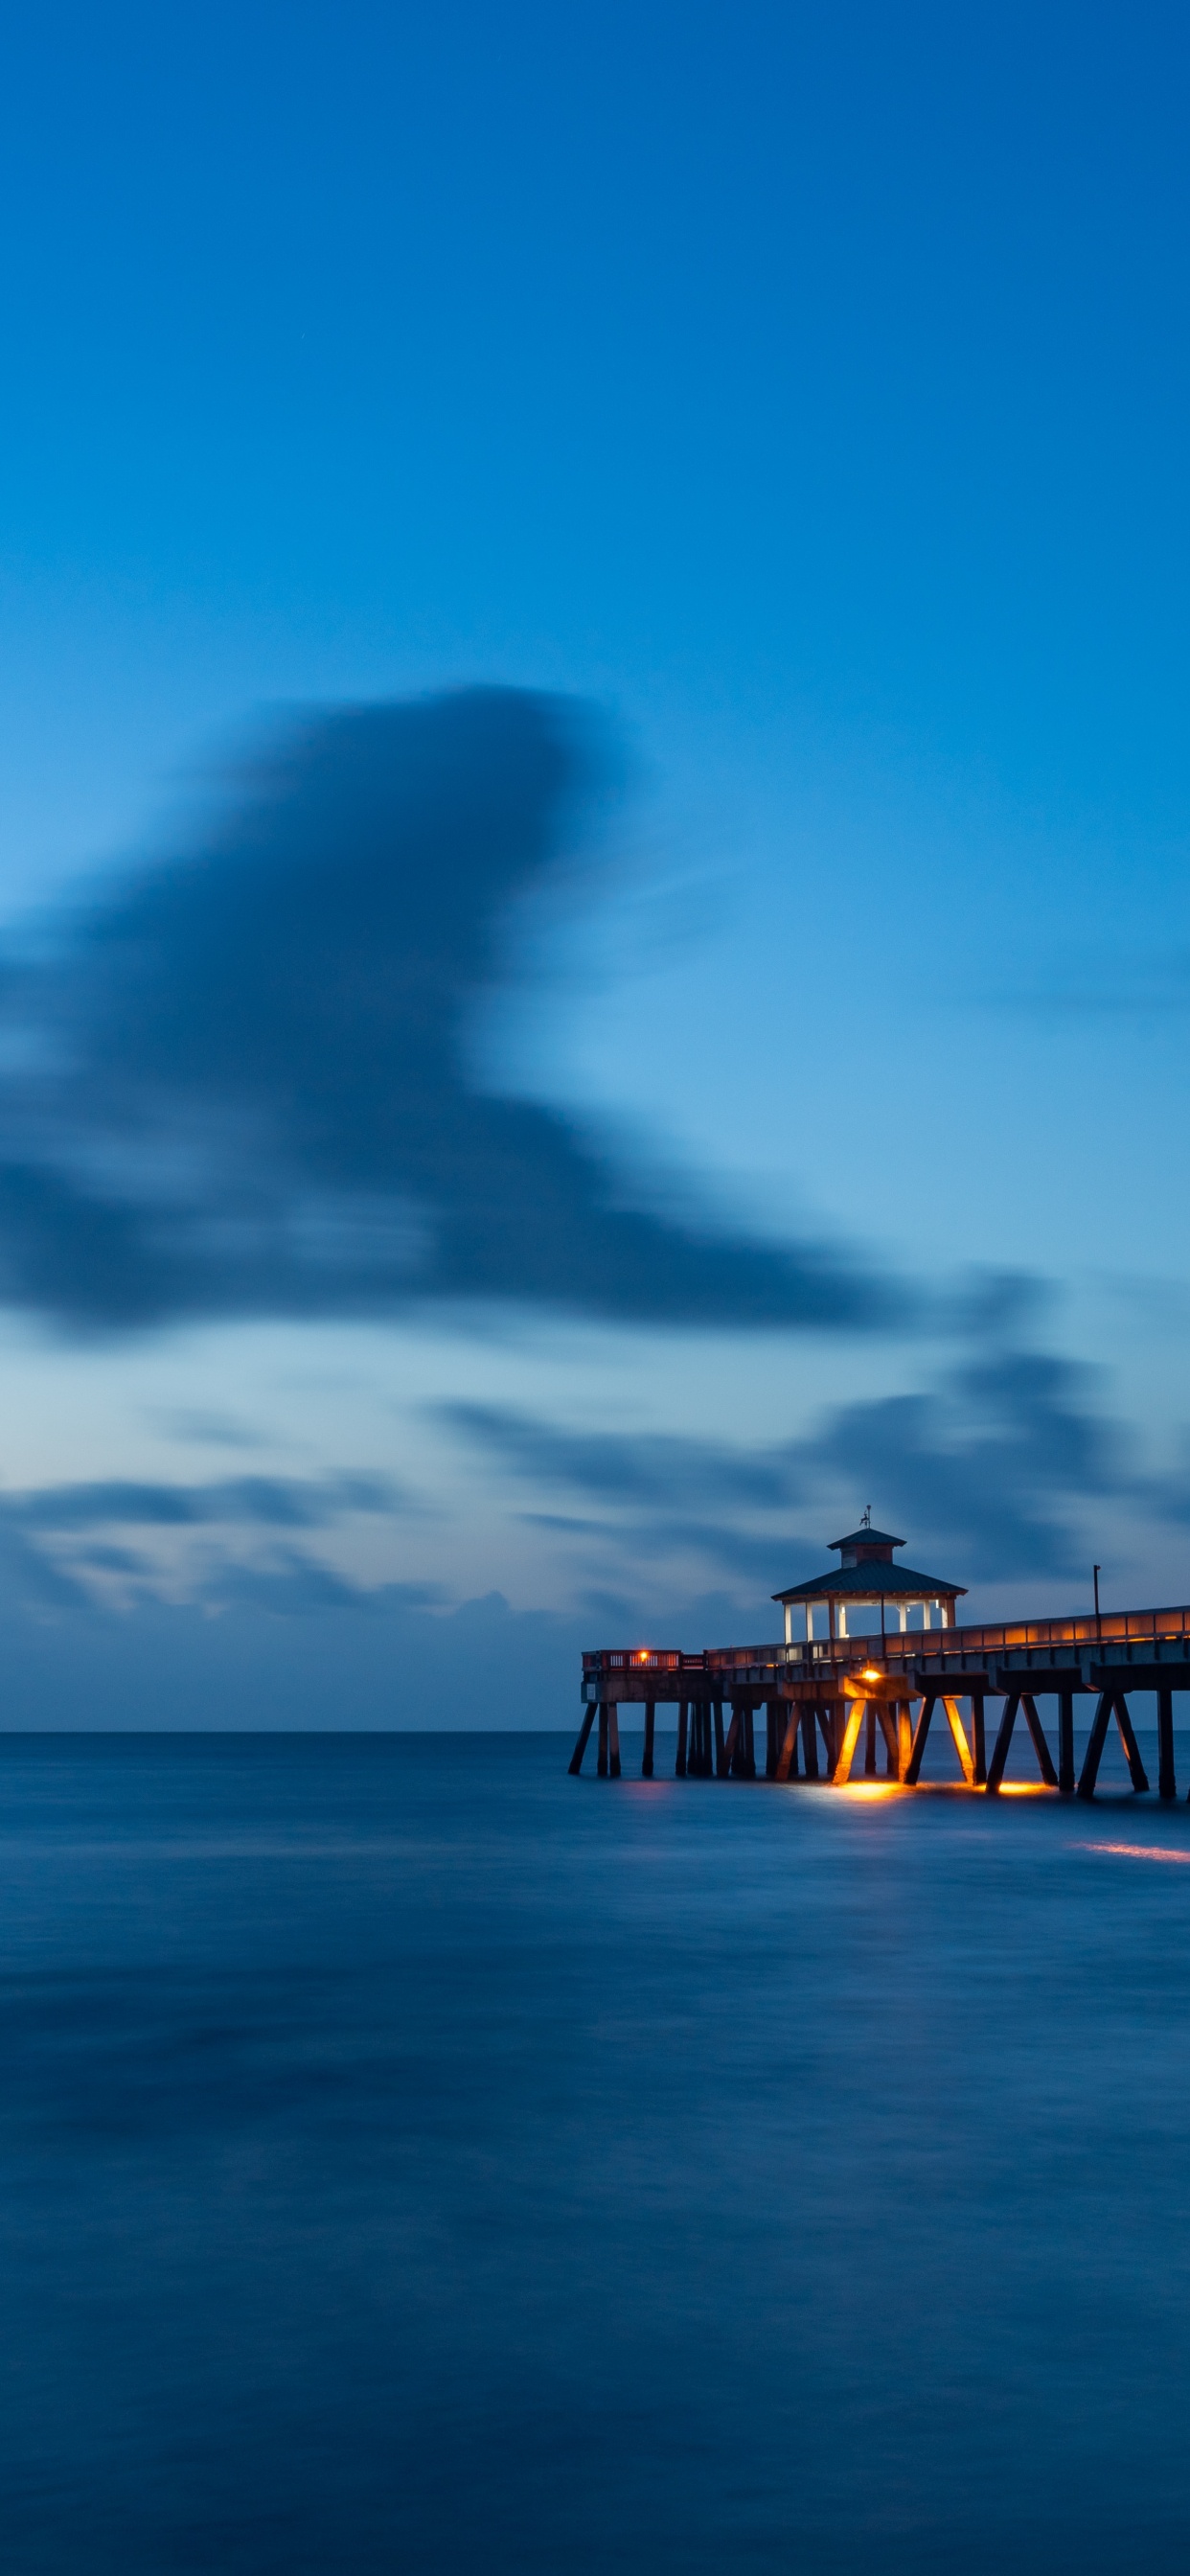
(883, 1581)
(866, 1536)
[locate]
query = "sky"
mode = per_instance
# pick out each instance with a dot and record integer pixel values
(594, 780)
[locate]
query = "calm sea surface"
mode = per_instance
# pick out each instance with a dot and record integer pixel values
(414, 2159)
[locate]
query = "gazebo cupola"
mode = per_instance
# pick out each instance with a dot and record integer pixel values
(867, 1573)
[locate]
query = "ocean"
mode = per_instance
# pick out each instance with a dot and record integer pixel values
(415, 2159)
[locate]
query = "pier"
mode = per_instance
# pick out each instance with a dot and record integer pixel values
(844, 1700)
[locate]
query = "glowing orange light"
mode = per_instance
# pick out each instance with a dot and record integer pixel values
(871, 1673)
(1025, 1789)
(643, 1654)
(872, 1789)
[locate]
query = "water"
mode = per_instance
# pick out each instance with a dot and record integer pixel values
(416, 2160)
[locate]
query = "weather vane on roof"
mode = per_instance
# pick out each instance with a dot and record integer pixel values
(866, 1522)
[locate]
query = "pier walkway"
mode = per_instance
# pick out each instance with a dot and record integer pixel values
(830, 1702)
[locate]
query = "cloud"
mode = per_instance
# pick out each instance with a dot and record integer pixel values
(293, 1585)
(237, 1081)
(65, 1548)
(204, 1429)
(989, 1469)
(267, 1502)
(653, 1470)
(995, 1461)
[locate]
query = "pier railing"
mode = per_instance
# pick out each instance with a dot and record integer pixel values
(900, 1651)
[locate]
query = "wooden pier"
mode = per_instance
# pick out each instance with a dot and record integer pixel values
(843, 1703)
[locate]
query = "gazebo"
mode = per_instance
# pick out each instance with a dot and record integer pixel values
(866, 1573)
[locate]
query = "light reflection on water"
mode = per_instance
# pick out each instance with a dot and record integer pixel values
(414, 2159)
(1138, 1851)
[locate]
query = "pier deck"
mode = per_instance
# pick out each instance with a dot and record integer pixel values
(820, 1696)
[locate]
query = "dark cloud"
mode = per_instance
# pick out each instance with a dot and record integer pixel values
(31, 1582)
(237, 1083)
(988, 1468)
(295, 1585)
(267, 1502)
(655, 1470)
(993, 1462)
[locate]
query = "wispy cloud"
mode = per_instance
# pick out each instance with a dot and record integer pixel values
(265, 1502)
(991, 1465)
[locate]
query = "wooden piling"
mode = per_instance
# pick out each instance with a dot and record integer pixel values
(912, 1771)
(1003, 1741)
(1066, 1743)
(701, 1766)
(1095, 1743)
(613, 1739)
(704, 1739)
(870, 1742)
(720, 1746)
(978, 1740)
(601, 1765)
(576, 1758)
(904, 1738)
(1137, 1771)
(810, 1744)
(683, 1719)
(646, 1766)
(1167, 1786)
(1041, 1748)
(847, 1738)
(892, 1749)
(959, 1735)
(787, 1757)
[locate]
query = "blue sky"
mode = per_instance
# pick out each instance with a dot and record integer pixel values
(780, 414)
